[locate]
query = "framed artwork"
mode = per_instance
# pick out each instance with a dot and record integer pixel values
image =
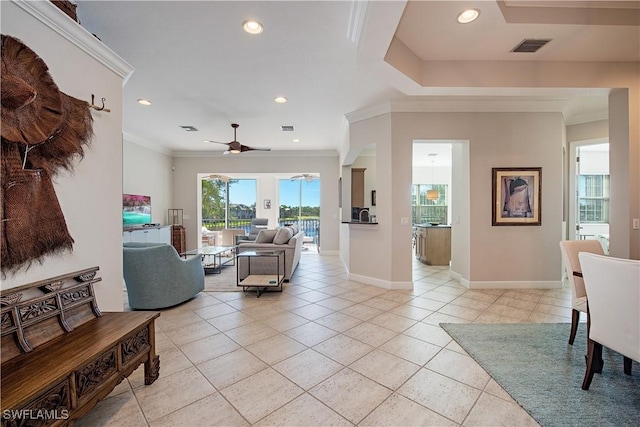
(267, 203)
(516, 196)
(373, 197)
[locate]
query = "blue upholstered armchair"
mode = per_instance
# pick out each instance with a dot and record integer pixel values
(157, 277)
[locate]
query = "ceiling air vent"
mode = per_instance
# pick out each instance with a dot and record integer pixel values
(530, 45)
(286, 128)
(189, 128)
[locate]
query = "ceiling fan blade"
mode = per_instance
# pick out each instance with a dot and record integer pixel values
(222, 178)
(217, 142)
(247, 148)
(307, 177)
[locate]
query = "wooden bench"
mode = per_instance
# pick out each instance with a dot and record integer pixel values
(61, 355)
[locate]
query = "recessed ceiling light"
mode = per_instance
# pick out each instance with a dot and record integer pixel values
(468, 15)
(252, 26)
(280, 99)
(144, 102)
(296, 140)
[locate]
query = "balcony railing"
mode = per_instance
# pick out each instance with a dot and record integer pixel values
(219, 224)
(310, 226)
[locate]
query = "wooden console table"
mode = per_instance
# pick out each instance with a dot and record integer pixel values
(61, 355)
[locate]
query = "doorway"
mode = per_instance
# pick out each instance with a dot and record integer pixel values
(589, 182)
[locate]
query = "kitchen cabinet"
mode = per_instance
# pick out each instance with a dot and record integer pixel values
(147, 235)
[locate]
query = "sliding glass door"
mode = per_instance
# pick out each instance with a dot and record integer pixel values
(300, 202)
(228, 203)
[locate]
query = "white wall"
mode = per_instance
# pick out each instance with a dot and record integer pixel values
(369, 246)
(525, 256)
(90, 196)
(460, 209)
(148, 172)
(185, 185)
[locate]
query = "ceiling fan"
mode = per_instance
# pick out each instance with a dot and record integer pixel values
(222, 178)
(234, 146)
(307, 177)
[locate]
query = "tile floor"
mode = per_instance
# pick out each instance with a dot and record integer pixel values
(327, 351)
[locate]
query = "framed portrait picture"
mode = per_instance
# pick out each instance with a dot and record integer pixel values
(267, 203)
(516, 196)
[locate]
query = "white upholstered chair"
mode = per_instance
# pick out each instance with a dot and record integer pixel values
(613, 289)
(570, 250)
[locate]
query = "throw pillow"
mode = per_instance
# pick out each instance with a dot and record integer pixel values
(283, 235)
(295, 228)
(266, 236)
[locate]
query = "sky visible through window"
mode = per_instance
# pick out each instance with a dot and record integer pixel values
(244, 192)
(290, 192)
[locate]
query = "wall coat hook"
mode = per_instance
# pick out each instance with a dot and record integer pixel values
(95, 107)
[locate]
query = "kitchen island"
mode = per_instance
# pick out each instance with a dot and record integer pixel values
(433, 244)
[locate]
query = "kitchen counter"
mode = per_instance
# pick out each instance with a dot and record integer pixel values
(360, 223)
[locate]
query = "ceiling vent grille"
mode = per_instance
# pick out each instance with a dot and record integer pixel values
(530, 45)
(286, 128)
(189, 128)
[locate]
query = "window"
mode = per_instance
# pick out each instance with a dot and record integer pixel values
(594, 198)
(229, 204)
(425, 210)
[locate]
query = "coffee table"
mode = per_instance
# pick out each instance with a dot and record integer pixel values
(214, 257)
(262, 280)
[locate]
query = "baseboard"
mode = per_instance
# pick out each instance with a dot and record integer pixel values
(385, 284)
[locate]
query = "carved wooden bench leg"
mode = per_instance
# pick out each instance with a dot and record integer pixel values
(151, 369)
(152, 364)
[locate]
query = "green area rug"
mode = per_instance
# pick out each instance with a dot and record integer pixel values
(543, 373)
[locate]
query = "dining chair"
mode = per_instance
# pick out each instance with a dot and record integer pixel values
(613, 292)
(570, 250)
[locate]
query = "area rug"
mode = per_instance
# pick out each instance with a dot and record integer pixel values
(543, 373)
(223, 282)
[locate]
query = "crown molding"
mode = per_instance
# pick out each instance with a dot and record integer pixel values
(368, 113)
(578, 119)
(478, 104)
(47, 13)
(356, 20)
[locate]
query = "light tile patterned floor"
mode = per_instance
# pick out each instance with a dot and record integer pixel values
(327, 351)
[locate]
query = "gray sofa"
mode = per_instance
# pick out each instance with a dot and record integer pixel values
(157, 277)
(273, 239)
(257, 224)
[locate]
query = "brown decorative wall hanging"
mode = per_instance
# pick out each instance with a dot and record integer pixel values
(43, 131)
